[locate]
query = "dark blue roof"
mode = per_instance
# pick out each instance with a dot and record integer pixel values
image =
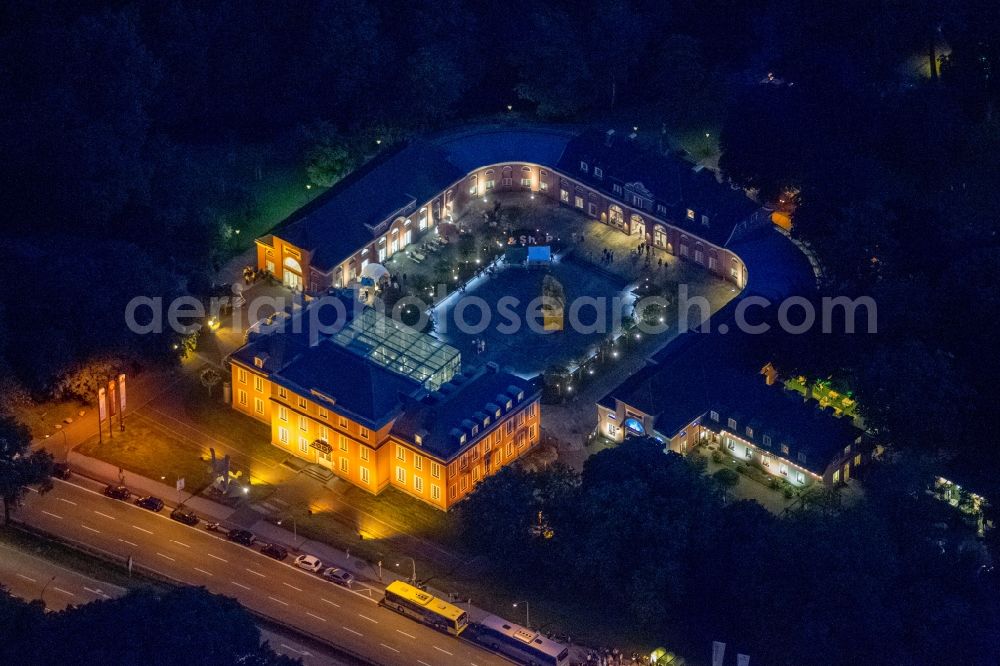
(672, 181)
(438, 416)
(342, 220)
(360, 388)
(703, 372)
(776, 268)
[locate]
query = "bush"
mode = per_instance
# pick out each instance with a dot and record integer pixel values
(716, 457)
(726, 478)
(700, 462)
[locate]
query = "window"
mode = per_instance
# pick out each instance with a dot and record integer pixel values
(802, 457)
(704, 220)
(343, 464)
(532, 408)
(323, 413)
(800, 477)
(453, 491)
(283, 435)
(617, 189)
(767, 440)
(836, 476)
(401, 475)
(543, 186)
(749, 431)
(784, 449)
(282, 413)
(507, 182)
(714, 416)
(661, 209)
(857, 460)
(343, 422)
(418, 484)
(598, 172)
(531, 433)
(435, 492)
(418, 462)
(435, 470)
(749, 454)
(302, 403)
(510, 426)
(365, 478)
(258, 405)
(343, 443)
(242, 375)
(243, 397)
(465, 483)
(303, 423)
(525, 182)
(730, 444)
(258, 383)
(765, 461)
(732, 424)
(364, 433)
(847, 450)
(783, 468)
(303, 445)
(578, 201)
(583, 167)
(282, 393)
(324, 434)
(490, 184)
(690, 214)
(400, 453)
(564, 196)
(365, 452)
(510, 449)
(592, 209)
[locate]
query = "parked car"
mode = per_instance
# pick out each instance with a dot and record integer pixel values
(244, 537)
(150, 502)
(60, 470)
(339, 576)
(275, 551)
(118, 492)
(309, 563)
(184, 516)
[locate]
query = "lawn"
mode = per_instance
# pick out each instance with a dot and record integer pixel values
(42, 418)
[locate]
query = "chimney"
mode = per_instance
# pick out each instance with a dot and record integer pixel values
(492, 367)
(609, 137)
(770, 374)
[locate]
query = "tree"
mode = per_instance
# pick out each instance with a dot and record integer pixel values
(327, 157)
(20, 467)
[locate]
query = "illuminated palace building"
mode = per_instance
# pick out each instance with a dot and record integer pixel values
(379, 405)
(391, 202)
(703, 391)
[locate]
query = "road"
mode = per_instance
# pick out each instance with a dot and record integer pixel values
(30, 577)
(351, 619)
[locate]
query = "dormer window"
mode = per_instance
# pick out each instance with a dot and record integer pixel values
(704, 220)
(598, 173)
(509, 404)
(418, 439)
(732, 424)
(690, 214)
(617, 189)
(767, 440)
(714, 416)
(583, 167)
(802, 457)
(749, 431)
(461, 440)
(475, 430)
(784, 449)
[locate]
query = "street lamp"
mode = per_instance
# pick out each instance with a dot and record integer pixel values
(413, 580)
(295, 528)
(527, 613)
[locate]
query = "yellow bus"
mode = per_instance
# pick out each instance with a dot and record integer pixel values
(425, 607)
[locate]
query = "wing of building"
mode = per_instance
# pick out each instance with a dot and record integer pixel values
(382, 405)
(392, 201)
(705, 389)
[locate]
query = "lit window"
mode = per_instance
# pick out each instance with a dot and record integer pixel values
(302, 403)
(857, 460)
(243, 398)
(282, 393)
(364, 433)
(303, 445)
(525, 182)
(400, 475)
(714, 416)
(564, 196)
(258, 405)
(365, 478)
(749, 431)
(323, 413)
(690, 214)
(364, 452)
(343, 422)
(800, 477)
(784, 449)
(343, 443)
(400, 453)
(732, 424)
(418, 484)
(303, 423)
(258, 383)
(242, 375)
(435, 470)
(283, 435)
(578, 201)
(343, 465)
(418, 462)
(282, 413)
(435, 492)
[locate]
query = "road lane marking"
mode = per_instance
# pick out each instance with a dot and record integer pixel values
(207, 573)
(28, 578)
(421, 661)
(105, 515)
(352, 631)
(443, 650)
(239, 585)
(321, 619)
(88, 527)
(293, 587)
(59, 589)
(34, 490)
(180, 543)
(283, 603)
(304, 653)
(142, 529)
(54, 515)
(368, 618)
(256, 572)
(405, 634)
(216, 557)
(389, 647)
(329, 602)
(134, 545)
(63, 499)
(99, 593)
(166, 557)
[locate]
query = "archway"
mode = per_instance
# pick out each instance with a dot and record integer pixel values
(616, 216)
(292, 273)
(636, 225)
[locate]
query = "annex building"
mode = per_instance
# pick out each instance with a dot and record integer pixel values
(394, 200)
(380, 405)
(702, 390)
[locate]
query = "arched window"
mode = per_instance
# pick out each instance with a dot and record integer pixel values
(616, 216)
(292, 264)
